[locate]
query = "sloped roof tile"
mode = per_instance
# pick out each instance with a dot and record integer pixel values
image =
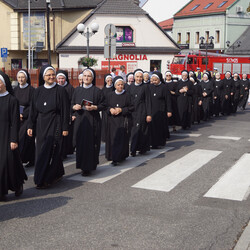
(201, 7)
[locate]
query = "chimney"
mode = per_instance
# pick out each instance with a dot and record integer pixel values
(137, 2)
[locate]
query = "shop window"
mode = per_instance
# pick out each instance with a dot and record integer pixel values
(217, 36)
(197, 37)
(179, 38)
(16, 63)
(124, 34)
(155, 65)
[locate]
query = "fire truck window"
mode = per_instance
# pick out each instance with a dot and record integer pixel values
(190, 60)
(195, 60)
(178, 60)
(204, 60)
(245, 68)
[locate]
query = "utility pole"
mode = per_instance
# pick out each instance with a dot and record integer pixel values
(48, 30)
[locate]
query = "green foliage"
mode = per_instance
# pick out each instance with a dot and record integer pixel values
(87, 62)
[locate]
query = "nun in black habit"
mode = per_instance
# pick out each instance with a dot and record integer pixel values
(146, 77)
(12, 174)
(140, 140)
(130, 80)
(87, 102)
(236, 96)
(161, 111)
(49, 115)
(244, 91)
(207, 92)
(171, 85)
(119, 109)
(217, 94)
(184, 93)
(228, 93)
(108, 88)
(24, 93)
(197, 98)
(63, 81)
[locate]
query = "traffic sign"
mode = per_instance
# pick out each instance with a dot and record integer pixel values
(110, 47)
(4, 52)
(110, 30)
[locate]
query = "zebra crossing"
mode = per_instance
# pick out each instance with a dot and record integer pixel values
(233, 185)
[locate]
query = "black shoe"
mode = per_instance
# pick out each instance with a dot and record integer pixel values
(114, 163)
(142, 152)
(42, 186)
(3, 198)
(133, 154)
(29, 165)
(19, 191)
(86, 173)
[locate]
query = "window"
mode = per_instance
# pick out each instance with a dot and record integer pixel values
(188, 38)
(124, 34)
(179, 38)
(190, 60)
(224, 2)
(197, 37)
(208, 6)
(195, 7)
(217, 36)
(206, 36)
(178, 60)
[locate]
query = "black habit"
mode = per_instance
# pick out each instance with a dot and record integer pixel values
(49, 114)
(12, 174)
(140, 140)
(117, 139)
(87, 128)
(207, 87)
(184, 103)
(217, 96)
(161, 105)
(26, 143)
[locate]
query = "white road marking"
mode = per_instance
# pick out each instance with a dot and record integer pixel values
(235, 183)
(171, 175)
(224, 137)
(106, 172)
(185, 135)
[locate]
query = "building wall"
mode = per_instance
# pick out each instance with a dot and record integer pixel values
(145, 33)
(237, 22)
(144, 30)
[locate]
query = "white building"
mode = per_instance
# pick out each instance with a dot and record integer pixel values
(140, 42)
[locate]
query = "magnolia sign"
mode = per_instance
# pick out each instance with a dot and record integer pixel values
(132, 57)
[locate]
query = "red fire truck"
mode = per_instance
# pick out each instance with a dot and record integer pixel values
(223, 63)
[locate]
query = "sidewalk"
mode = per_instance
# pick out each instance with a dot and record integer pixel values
(244, 241)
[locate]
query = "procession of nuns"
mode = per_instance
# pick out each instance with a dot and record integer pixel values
(40, 127)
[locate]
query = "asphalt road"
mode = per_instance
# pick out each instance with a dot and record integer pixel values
(167, 199)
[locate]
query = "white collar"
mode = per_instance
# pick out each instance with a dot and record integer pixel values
(129, 83)
(169, 81)
(64, 85)
(217, 80)
(23, 86)
(87, 86)
(119, 93)
(4, 94)
(184, 80)
(49, 86)
(244, 79)
(138, 84)
(158, 84)
(206, 81)
(108, 87)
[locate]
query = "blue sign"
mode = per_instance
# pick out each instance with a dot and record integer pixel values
(4, 52)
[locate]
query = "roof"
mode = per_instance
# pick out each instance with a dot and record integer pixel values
(22, 5)
(202, 7)
(120, 50)
(116, 7)
(167, 24)
(244, 48)
(120, 7)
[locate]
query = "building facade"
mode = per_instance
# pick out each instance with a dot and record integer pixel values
(223, 20)
(140, 41)
(14, 25)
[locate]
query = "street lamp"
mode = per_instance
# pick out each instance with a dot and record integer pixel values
(237, 45)
(29, 35)
(208, 44)
(94, 27)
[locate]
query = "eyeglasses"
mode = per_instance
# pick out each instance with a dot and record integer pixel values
(51, 75)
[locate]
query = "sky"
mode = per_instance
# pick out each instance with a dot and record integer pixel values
(161, 10)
